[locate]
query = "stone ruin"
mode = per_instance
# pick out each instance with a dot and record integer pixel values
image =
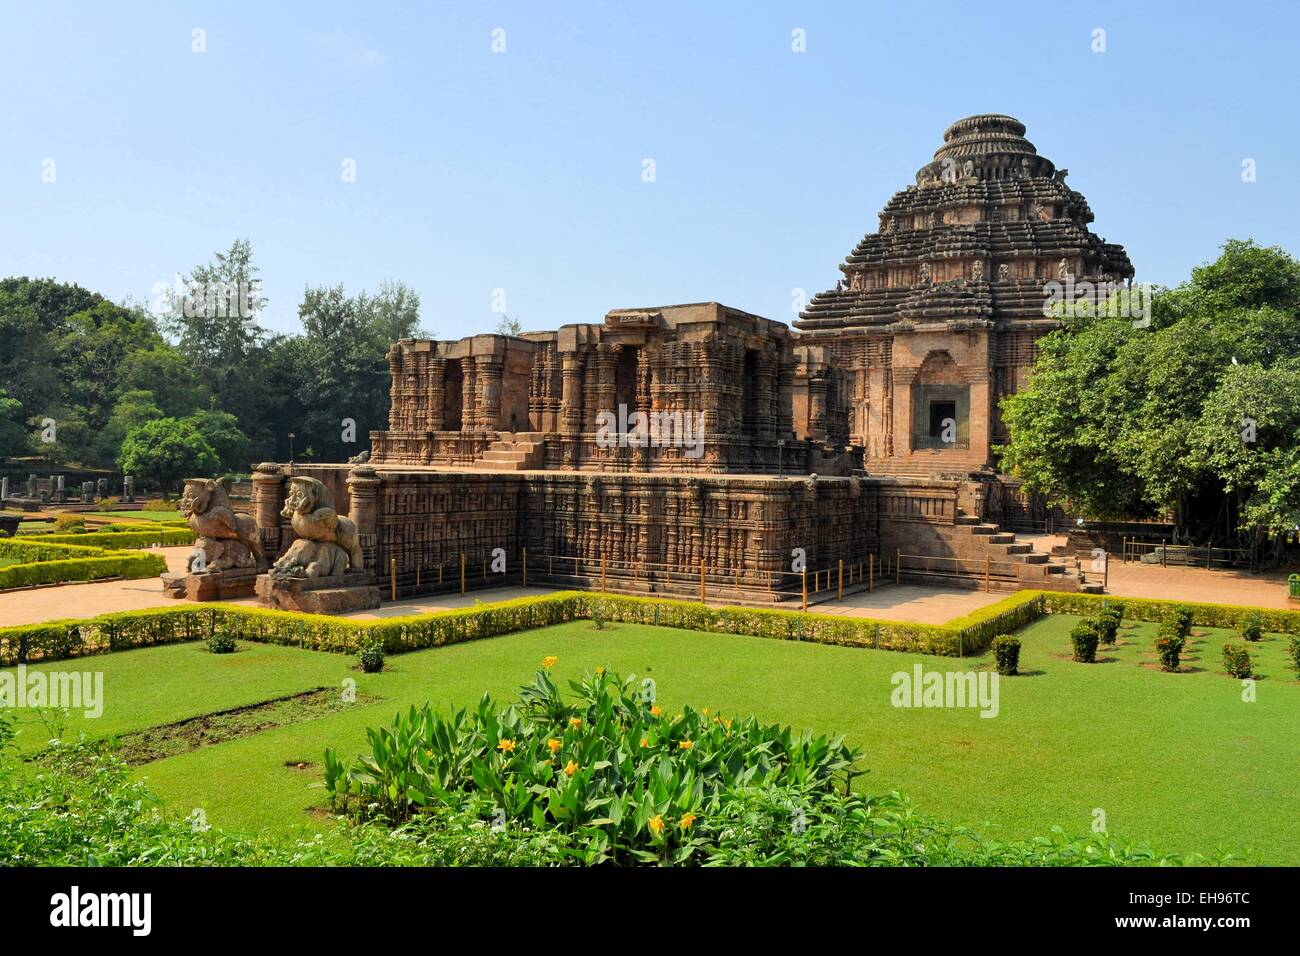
(697, 448)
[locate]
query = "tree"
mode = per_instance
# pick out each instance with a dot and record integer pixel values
(509, 326)
(221, 430)
(135, 407)
(13, 429)
(215, 323)
(1192, 416)
(165, 451)
(341, 390)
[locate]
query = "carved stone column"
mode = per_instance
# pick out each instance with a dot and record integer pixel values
(489, 376)
(437, 390)
(363, 493)
(606, 358)
(817, 385)
(469, 394)
(395, 390)
(268, 494)
(571, 395)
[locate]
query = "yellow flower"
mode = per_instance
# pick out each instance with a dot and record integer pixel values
(570, 768)
(686, 745)
(655, 711)
(645, 742)
(656, 824)
(506, 746)
(575, 722)
(687, 820)
(553, 744)
(600, 671)
(728, 723)
(706, 711)
(549, 662)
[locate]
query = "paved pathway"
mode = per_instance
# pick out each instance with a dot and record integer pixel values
(1266, 589)
(923, 604)
(88, 600)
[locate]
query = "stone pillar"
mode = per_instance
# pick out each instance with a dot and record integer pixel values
(128, 488)
(469, 394)
(4, 489)
(571, 395)
(489, 374)
(268, 491)
(395, 390)
(363, 495)
(87, 492)
(606, 357)
(903, 379)
(60, 492)
(785, 401)
(437, 392)
(31, 486)
(817, 385)
(101, 488)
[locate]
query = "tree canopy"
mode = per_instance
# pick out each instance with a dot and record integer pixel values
(1193, 415)
(201, 359)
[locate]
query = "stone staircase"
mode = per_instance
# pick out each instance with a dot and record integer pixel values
(520, 451)
(974, 539)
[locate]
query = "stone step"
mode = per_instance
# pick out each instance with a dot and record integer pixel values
(968, 520)
(1033, 557)
(1002, 537)
(983, 529)
(1092, 589)
(1020, 547)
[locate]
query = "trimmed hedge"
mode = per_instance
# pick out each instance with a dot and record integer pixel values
(965, 635)
(1276, 621)
(82, 569)
(124, 540)
(44, 550)
(112, 632)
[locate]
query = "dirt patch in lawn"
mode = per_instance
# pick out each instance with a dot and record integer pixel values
(168, 740)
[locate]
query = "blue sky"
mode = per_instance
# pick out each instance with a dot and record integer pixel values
(522, 170)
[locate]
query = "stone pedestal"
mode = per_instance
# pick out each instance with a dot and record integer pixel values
(211, 585)
(337, 594)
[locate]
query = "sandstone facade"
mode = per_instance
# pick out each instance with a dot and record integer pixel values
(739, 446)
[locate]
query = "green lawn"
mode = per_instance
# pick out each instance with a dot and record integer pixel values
(1176, 760)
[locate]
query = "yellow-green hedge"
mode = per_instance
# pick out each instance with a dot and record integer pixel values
(110, 632)
(124, 540)
(82, 569)
(1275, 620)
(965, 635)
(28, 551)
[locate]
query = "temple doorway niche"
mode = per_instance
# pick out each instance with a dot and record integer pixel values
(625, 374)
(749, 394)
(453, 387)
(940, 405)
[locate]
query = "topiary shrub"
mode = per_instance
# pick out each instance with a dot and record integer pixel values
(1236, 660)
(371, 657)
(1252, 627)
(69, 524)
(1006, 649)
(1084, 638)
(1179, 621)
(1294, 651)
(1107, 622)
(221, 642)
(1169, 648)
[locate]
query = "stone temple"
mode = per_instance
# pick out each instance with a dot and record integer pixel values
(672, 447)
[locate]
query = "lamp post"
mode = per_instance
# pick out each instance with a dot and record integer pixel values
(780, 451)
(291, 438)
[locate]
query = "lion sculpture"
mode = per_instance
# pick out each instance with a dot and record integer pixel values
(225, 540)
(326, 545)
